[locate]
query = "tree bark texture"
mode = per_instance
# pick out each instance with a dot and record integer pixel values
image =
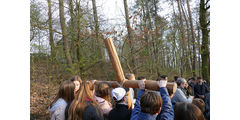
(64, 33)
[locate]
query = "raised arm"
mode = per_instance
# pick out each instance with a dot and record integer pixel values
(137, 107)
(167, 112)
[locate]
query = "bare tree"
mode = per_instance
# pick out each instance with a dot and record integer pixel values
(130, 36)
(205, 40)
(53, 51)
(64, 33)
(193, 40)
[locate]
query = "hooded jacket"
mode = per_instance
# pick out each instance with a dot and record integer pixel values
(105, 106)
(166, 113)
(57, 111)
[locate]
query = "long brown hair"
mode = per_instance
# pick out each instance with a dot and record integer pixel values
(84, 96)
(200, 103)
(66, 92)
(103, 90)
(187, 111)
(76, 78)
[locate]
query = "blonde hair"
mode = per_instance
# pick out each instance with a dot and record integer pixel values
(82, 100)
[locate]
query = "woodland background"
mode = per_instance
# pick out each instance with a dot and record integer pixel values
(66, 38)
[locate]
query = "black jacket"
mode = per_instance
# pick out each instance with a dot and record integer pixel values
(200, 90)
(92, 113)
(120, 112)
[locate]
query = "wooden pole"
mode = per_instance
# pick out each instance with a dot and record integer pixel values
(114, 59)
(149, 84)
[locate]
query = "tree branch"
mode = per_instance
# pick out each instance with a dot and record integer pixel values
(208, 7)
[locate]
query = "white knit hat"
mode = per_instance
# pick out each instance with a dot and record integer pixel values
(118, 93)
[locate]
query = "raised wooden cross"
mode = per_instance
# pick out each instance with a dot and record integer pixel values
(149, 84)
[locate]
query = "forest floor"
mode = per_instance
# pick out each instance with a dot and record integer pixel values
(41, 95)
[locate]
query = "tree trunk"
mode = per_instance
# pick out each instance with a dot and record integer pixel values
(199, 48)
(205, 46)
(183, 63)
(130, 36)
(53, 51)
(188, 53)
(99, 48)
(193, 40)
(156, 38)
(146, 35)
(79, 52)
(72, 31)
(64, 33)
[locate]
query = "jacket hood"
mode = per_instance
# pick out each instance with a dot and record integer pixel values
(58, 103)
(100, 100)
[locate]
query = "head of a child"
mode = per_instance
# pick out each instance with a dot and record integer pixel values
(151, 103)
(199, 103)
(119, 95)
(187, 111)
(103, 90)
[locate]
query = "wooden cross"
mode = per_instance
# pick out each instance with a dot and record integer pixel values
(149, 84)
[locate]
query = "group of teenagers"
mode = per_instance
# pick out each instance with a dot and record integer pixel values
(91, 100)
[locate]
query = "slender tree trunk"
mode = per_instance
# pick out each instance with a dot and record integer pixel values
(101, 51)
(79, 52)
(72, 30)
(154, 57)
(205, 41)
(156, 38)
(64, 33)
(130, 36)
(199, 48)
(184, 48)
(189, 53)
(53, 51)
(146, 35)
(193, 40)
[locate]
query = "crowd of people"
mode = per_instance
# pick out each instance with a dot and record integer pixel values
(86, 100)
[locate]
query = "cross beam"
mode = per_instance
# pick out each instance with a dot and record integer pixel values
(149, 84)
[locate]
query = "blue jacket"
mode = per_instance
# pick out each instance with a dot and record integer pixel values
(166, 113)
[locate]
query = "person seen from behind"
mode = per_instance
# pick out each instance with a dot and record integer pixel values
(149, 104)
(102, 93)
(187, 111)
(65, 95)
(84, 106)
(121, 111)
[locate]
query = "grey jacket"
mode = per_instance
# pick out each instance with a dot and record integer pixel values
(179, 96)
(57, 111)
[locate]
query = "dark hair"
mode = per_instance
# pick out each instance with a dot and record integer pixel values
(198, 78)
(187, 111)
(176, 77)
(66, 92)
(150, 102)
(103, 90)
(163, 77)
(141, 78)
(199, 103)
(76, 78)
